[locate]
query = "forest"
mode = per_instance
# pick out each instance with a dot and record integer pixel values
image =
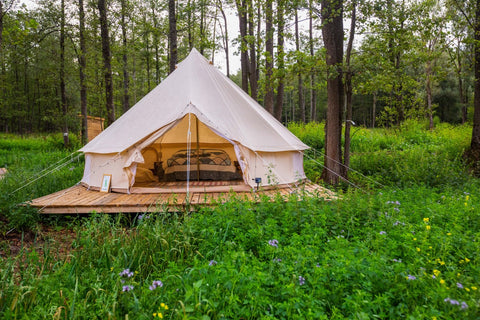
(60, 59)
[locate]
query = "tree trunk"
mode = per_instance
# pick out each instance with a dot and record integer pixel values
(107, 65)
(349, 92)
(301, 98)
(313, 92)
(63, 95)
(126, 97)
(278, 109)
(428, 89)
(461, 94)
(172, 35)
(252, 72)
(332, 31)
(82, 67)
(269, 98)
(225, 37)
(244, 63)
(374, 109)
(202, 26)
(475, 143)
(190, 23)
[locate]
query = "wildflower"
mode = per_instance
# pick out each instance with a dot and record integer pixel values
(442, 281)
(397, 260)
(449, 234)
(474, 288)
(164, 306)
(467, 260)
(318, 265)
(158, 314)
(418, 249)
(426, 220)
(410, 277)
(414, 239)
(127, 288)
(301, 280)
(383, 232)
(126, 273)
(467, 289)
(273, 243)
(212, 263)
(459, 285)
(396, 223)
(428, 227)
(277, 260)
(464, 305)
(394, 202)
(436, 272)
(156, 284)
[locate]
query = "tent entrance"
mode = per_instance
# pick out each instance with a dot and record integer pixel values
(190, 151)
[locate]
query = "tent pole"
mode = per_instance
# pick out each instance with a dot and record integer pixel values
(198, 150)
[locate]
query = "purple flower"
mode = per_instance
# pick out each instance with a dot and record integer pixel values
(277, 260)
(410, 277)
(451, 301)
(273, 243)
(127, 288)
(318, 265)
(126, 273)
(394, 202)
(383, 232)
(459, 285)
(301, 280)
(397, 260)
(212, 263)
(464, 305)
(156, 284)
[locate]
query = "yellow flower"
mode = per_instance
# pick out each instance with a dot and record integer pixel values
(474, 288)
(164, 306)
(428, 227)
(426, 220)
(414, 239)
(468, 290)
(467, 197)
(467, 260)
(418, 249)
(434, 318)
(442, 281)
(458, 274)
(449, 234)
(436, 272)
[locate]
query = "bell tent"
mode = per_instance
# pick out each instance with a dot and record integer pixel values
(197, 124)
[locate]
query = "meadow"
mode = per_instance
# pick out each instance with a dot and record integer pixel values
(401, 243)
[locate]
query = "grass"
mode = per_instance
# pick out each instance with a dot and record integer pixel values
(408, 249)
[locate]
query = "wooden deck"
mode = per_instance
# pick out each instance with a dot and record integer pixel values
(77, 199)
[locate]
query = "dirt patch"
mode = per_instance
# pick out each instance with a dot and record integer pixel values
(57, 241)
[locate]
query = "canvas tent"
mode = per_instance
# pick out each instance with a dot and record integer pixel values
(196, 124)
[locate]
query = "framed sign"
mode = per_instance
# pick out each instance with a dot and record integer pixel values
(106, 182)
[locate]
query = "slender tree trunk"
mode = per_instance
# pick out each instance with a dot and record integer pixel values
(278, 110)
(225, 37)
(461, 94)
(313, 92)
(126, 80)
(244, 61)
(190, 24)
(202, 26)
(301, 98)
(106, 61)
(63, 95)
(252, 72)
(349, 92)
(82, 67)
(374, 109)
(475, 143)
(155, 43)
(428, 89)
(172, 35)
(1, 31)
(269, 97)
(332, 31)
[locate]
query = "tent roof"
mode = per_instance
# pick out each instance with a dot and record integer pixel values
(198, 87)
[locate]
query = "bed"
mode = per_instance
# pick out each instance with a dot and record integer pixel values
(205, 164)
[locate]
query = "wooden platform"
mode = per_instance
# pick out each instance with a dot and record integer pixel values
(78, 199)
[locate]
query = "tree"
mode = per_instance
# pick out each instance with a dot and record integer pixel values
(126, 80)
(107, 64)
(269, 94)
(82, 68)
(332, 32)
(280, 60)
(172, 35)
(63, 96)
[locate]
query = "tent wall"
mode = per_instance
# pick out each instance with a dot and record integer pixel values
(96, 165)
(274, 168)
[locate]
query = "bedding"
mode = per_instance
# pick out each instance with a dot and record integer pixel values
(206, 164)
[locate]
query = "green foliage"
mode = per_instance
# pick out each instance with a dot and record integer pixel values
(405, 250)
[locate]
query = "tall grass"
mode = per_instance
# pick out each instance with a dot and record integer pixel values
(407, 249)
